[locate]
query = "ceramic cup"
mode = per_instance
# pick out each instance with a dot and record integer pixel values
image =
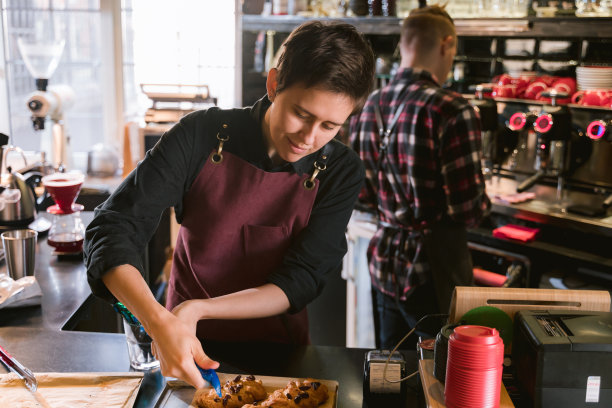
(505, 91)
(595, 97)
(534, 89)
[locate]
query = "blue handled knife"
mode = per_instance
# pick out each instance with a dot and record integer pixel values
(210, 375)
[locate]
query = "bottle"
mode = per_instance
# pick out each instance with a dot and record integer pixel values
(269, 62)
(375, 7)
(358, 7)
(258, 57)
(296, 6)
(388, 8)
(280, 7)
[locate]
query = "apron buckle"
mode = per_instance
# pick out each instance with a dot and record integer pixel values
(222, 137)
(309, 183)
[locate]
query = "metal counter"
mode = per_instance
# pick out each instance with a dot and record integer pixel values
(34, 336)
(63, 282)
(46, 350)
(544, 209)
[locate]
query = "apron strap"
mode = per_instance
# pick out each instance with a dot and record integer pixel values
(385, 134)
(320, 164)
(405, 233)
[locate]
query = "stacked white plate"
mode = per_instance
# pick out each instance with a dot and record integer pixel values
(594, 77)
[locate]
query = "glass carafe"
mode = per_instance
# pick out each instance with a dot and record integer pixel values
(590, 8)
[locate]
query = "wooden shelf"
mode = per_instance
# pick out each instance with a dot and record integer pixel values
(555, 27)
(366, 25)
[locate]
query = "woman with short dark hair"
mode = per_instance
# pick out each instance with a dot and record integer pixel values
(263, 195)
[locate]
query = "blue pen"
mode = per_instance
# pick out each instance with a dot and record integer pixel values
(210, 375)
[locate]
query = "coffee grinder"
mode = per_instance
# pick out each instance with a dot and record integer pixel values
(487, 109)
(553, 129)
(41, 57)
(67, 230)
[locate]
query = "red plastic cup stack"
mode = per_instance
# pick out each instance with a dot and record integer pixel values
(474, 367)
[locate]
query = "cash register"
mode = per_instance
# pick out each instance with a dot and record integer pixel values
(564, 358)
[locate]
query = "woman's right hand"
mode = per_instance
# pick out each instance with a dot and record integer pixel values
(178, 350)
(175, 344)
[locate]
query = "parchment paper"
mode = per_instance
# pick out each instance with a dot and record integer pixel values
(72, 390)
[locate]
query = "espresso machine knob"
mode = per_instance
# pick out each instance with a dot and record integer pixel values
(521, 121)
(600, 130)
(555, 121)
(544, 123)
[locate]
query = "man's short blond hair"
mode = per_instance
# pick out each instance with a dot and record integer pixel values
(425, 27)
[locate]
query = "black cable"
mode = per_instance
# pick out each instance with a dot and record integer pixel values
(400, 343)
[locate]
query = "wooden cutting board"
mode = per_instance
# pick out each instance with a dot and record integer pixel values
(178, 394)
(72, 390)
(511, 300)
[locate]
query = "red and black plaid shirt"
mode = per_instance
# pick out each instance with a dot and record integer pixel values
(431, 170)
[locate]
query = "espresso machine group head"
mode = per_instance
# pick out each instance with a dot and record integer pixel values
(487, 110)
(553, 128)
(601, 130)
(518, 129)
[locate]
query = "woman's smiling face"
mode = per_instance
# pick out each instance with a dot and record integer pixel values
(302, 120)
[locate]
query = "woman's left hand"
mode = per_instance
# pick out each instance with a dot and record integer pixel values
(188, 313)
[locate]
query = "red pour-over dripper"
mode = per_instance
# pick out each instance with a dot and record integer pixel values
(64, 189)
(67, 229)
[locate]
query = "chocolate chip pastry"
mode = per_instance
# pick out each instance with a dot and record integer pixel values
(303, 394)
(235, 394)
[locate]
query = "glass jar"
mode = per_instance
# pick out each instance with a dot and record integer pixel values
(589, 8)
(404, 7)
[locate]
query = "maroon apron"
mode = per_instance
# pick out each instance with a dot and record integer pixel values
(238, 223)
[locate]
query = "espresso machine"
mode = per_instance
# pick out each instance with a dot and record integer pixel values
(553, 128)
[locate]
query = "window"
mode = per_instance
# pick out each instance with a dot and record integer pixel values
(80, 67)
(178, 42)
(185, 42)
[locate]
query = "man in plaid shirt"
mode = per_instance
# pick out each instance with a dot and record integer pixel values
(422, 153)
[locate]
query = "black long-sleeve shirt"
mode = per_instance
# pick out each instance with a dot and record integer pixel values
(125, 222)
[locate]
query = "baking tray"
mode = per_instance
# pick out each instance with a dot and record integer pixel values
(93, 390)
(179, 394)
